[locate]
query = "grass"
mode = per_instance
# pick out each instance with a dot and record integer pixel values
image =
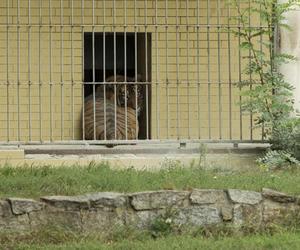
(71, 180)
(279, 240)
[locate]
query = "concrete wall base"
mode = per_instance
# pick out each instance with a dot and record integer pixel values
(226, 157)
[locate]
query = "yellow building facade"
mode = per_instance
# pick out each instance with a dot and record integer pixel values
(193, 63)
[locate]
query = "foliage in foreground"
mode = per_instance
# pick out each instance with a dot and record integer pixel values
(274, 159)
(128, 238)
(27, 181)
(267, 95)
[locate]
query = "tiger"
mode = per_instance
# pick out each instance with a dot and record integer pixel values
(115, 112)
(133, 91)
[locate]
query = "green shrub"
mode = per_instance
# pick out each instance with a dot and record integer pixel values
(164, 225)
(268, 96)
(286, 136)
(274, 159)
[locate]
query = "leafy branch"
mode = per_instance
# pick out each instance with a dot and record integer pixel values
(269, 95)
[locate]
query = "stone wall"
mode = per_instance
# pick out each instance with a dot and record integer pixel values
(100, 211)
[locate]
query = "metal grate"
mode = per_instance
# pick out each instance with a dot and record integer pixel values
(176, 60)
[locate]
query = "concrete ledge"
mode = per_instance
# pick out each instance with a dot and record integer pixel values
(145, 162)
(151, 148)
(12, 154)
(150, 156)
(94, 151)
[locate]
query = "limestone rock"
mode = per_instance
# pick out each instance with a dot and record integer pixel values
(142, 219)
(11, 222)
(17, 223)
(99, 220)
(159, 199)
(5, 209)
(23, 206)
(208, 196)
(69, 203)
(277, 212)
(245, 197)
(227, 213)
(39, 219)
(198, 216)
(277, 196)
(248, 215)
(106, 199)
(5, 213)
(70, 220)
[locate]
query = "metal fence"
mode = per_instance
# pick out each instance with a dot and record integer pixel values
(122, 71)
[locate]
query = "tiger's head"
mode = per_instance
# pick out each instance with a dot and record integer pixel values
(127, 90)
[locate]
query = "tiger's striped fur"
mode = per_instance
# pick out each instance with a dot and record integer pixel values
(114, 112)
(131, 90)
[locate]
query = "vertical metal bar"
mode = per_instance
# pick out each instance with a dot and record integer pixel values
(93, 48)
(167, 66)
(261, 50)
(125, 67)
(198, 70)
(7, 73)
(229, 73)
(157, 75)
(219, 69)
(104, 68)
(240, 74)
(50, 69)
(115, 65)
(177, 73)
(61, 70)
(29, 68)
(39, 70)
(94, 110)
(135, 66)
(251, 114)
(104, 96)
(72, 69)
(208, 69)
(18, 68)
(146, 65)
(188, 67)
(83, 107)
(83, 73)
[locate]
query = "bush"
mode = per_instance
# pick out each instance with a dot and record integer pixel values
(286, 136)
(274, 159)
(269, 97)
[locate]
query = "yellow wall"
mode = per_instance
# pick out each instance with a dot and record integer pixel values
(164, 47)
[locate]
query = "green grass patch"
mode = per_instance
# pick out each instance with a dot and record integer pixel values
(72, 180)
(138, 240)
